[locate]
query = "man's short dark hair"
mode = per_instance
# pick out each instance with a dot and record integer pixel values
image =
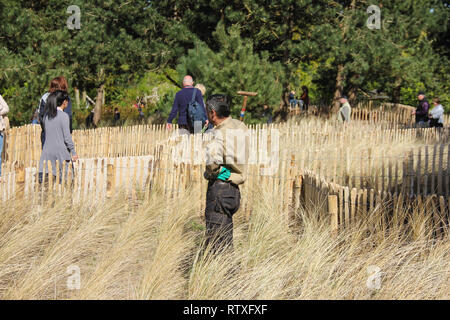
(220, 103)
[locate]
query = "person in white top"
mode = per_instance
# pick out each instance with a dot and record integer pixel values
(437, 114)
(4, 109)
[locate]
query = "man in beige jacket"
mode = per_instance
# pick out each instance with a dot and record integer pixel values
(345, 111)
(226, 167)
(4, 109)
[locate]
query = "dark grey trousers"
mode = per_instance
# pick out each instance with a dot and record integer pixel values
(222, 201)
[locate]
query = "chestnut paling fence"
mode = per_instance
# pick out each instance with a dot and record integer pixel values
(23, 144)
(389, 113)
(342, 173)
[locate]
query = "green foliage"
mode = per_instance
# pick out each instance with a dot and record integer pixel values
(306, 75)
(117, 41)
(235, 67)
(159, 91)
(409, 96)
(253, 45)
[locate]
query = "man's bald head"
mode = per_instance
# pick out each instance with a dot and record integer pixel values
(188, 81)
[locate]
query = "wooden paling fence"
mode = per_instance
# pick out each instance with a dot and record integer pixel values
(399, 116)
(422, 170)
(96, 180)
(344, 206)
(315, 163)
(85, 180)
(24, 143)
(409, 109)
(388, 112)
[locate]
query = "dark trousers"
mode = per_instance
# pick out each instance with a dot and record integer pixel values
(45, 169)
(186, 127)
(42, 138)
(434, 123)
(222, 202)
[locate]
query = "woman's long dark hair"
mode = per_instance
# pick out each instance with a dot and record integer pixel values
(305, 89)
(55, 100)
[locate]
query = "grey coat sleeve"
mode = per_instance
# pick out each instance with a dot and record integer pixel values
(67, 136)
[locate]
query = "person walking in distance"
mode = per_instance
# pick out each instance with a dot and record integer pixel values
(304, 99)
(202, 89)
(421, 112)
(345, 111)
(116, 118)
(180, 105)
(225, 170)
(58, 144)
(292, 101)
(58, 83)
(4, 109)
(437, 114)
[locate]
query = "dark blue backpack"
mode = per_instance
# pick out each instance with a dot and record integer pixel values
(195, 112)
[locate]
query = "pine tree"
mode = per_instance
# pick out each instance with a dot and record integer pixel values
(117, 42)
(235, 67)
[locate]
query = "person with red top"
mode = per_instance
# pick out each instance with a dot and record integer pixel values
(304, 99)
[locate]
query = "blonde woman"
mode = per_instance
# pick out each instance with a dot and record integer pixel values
(4, 109)
(437, 114)
(202, 89)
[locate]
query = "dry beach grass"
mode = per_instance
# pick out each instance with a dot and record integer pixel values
(152, 249)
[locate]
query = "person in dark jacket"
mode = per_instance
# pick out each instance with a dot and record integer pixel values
(292, 101)
(90, 120)
(181, 102)
(421, 112)
(58, 83)
(305, 98)
(116, 116)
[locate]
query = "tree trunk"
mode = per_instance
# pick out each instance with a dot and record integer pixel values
(339, 89)
(98, 104)
(396, 90)
(340, 77)
(77, 98)
(83, 98)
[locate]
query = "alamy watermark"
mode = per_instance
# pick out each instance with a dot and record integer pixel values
(74, 21)
(374, 21)
(74, 279)
(233, 146)
(374, 280)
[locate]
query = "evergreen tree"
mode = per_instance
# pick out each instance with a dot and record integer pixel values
(235, 67)
(116, 42)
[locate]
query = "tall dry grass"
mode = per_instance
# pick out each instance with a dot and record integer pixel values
(152, 249)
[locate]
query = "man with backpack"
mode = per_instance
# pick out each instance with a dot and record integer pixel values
(188, 104)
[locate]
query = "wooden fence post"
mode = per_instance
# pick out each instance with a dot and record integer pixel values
(333, 212)
(111, 180)
(20, 180)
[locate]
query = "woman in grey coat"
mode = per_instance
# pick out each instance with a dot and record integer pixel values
(58, 142)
